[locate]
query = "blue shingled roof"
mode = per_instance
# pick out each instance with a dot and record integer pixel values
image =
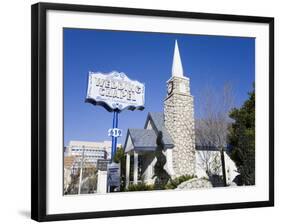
(145, 139)
(157, 119)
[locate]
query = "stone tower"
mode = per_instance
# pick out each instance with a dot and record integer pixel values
(179, 119)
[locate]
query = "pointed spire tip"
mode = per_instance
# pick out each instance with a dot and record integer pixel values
(177, 69)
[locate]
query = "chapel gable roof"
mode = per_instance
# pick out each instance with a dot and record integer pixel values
(157, 121)
(145, 139)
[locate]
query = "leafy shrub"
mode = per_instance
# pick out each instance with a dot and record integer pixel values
(173, 183)
(140, 187)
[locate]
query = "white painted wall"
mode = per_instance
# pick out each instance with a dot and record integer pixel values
(214, 162)
(15, 109)
(102, 182)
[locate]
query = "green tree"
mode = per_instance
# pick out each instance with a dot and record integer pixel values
(120, 157)
(162, 177)
(242, 139)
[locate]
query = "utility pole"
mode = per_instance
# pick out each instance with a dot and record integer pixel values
(223, 166)
(81, 169)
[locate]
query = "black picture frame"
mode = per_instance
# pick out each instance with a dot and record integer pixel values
(39, 115)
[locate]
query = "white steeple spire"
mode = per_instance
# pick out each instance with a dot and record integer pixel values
(177, 69)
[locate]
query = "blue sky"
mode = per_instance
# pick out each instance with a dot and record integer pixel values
(147, 57)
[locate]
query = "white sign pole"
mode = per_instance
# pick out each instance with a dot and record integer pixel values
(81, 170)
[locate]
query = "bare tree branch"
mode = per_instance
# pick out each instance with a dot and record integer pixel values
(211, 128)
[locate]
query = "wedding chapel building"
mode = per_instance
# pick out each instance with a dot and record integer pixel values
(178, 128)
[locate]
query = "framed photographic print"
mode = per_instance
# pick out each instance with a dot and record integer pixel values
(139, 111)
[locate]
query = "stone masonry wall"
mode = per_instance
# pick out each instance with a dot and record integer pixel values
(195, 184)
(179, 121)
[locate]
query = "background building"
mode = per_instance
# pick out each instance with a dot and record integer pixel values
(93, 151)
